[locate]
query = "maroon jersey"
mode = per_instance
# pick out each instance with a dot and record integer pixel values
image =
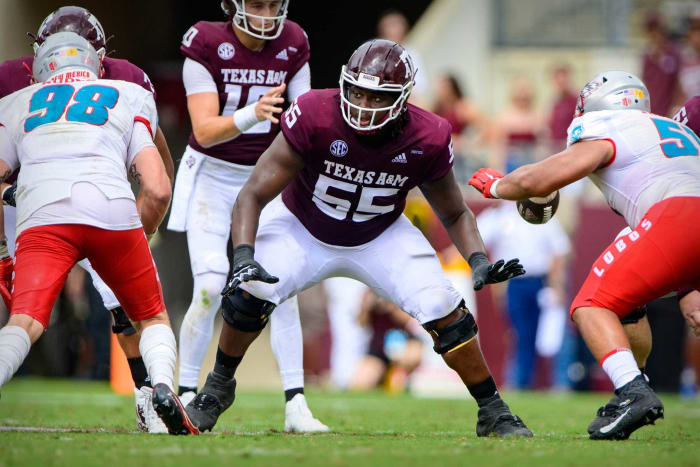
(242, 76)
(689, 114)
(348, 191)
(562, 115)
(17, 74)
(660, 74)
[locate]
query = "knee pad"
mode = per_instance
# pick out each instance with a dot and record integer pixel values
(454, 335)
(245, 312)
(635, 315)
(121, 323)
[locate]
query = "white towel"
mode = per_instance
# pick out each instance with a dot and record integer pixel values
(184, 186)
(552, 323)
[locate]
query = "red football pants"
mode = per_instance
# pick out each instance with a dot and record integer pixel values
(662, 254)
(46, 254)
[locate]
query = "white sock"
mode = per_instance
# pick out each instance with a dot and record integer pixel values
(159, 352)
(620, 367)
(198, 326)
(288, 343)
(14, 347)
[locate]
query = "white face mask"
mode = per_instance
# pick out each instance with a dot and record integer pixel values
(367, 113)
(270, 27)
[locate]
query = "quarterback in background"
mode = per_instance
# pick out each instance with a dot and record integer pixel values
(236, 74)
(344, 162)
(17, 74)
(75, 137)
(648, 169)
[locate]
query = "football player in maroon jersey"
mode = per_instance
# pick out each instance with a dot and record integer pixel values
(17, 74)
(344, 164)
(237, 73)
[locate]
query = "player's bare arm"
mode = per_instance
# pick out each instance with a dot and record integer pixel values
(164, 152)
(544, 177)
(278, 165)
(211, 128)
(155, 189)
(445, 198)
(690, 307)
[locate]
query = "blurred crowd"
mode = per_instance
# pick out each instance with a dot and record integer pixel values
(356, 341)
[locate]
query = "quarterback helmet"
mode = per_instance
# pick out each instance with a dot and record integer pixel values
(377, 65)
(270, 26)
(73, 19)
(63, 51)
(613, 90)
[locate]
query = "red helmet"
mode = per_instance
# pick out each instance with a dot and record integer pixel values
(377, 65)
(73, 19)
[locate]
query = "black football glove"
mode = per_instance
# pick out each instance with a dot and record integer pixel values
(245, 269)
(8, 195)
(483, 272)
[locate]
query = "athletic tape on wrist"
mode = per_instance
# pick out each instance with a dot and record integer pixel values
(245, 118)
(493, 188)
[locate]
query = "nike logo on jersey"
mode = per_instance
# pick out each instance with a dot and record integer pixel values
(401, 158)
(282, 55)
(608, 428)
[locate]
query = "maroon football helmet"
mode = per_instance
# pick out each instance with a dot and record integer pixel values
(378, 65)
(73, 19)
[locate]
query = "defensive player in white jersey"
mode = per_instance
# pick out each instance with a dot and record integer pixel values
(648, 169)
(636, 324)
(75, 137)
(17, 74)
(235, 74)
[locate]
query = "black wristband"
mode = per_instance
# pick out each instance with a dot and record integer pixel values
(477, 259)
(243, 252)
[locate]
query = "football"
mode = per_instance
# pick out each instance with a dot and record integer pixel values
(539, 210)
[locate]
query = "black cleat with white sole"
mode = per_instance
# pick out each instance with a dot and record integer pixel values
(217, 395)
(496, 419)
(638, 406)
(171, 411)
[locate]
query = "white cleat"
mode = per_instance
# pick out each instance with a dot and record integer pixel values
(146, 417)
(299, 419)
(142, 402)
(187, 397)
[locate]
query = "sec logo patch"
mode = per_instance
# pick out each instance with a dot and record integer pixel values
(226, 51)
(339, 148)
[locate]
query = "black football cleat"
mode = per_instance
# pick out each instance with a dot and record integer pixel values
(605, 414)
(496, 419)
(217, 395)
(171, 411)
(638, 406)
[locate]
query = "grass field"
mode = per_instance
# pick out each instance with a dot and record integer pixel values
(88, 425)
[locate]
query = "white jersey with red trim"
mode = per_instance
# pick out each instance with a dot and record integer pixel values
(655, 158)
(72, 129)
